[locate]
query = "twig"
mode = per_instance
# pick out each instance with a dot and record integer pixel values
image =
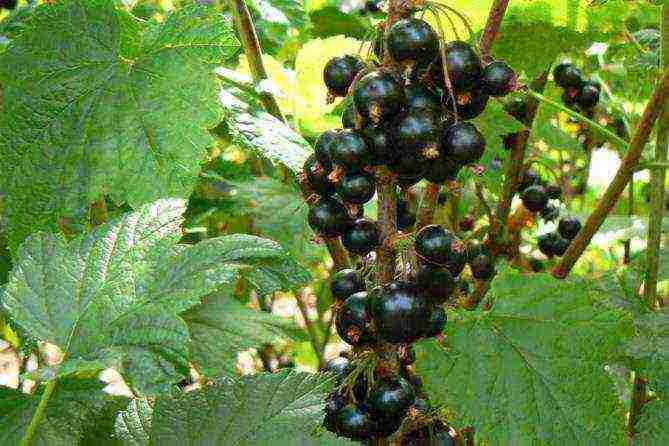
(637, 400)
(615, 189)
(387, 216)
(492, 26)
(428, 205)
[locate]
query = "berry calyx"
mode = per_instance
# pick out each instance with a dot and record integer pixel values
(355, 423)
(463, 143)
(340, 72)
(588, 95)
(352, 320)
(412, 40)
(499, 79)
(482, 267)
(349, 150)
(435, 282)
(469, 104)
(328, 217)
(356, 187)
(398, 311)
(344, 283)
(362, 236)
(534, 198)
(568, 227)
(317, 177)
(378, 95)
(567, 75)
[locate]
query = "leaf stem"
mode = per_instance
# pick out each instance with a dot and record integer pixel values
(38, 416)
(615, 189)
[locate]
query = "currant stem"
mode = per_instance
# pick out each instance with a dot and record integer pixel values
(497, 11)
(38, 416)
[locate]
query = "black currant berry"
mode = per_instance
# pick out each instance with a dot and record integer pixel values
(349, 150)
(534, 198)
(499, 79)
(356, 187)
(398, 311)
(378, 95)
(322, 147)
(420, 98)
(567, 75)
(517, 108)
(349, 117)
(553, 191)
(570, 96)
(339, 73)
(463, 143)
(328, 217)
(552, 244)
(409, 169)
(442, 169)
(560, 245)
(341, 367)
(417, 132)
(588, 96)
(8, 4)
(482, 267)
(568, 227)
(406, 218)
(361, 237)
(470, 104)
(435, 282)
(464, 65)
(352, 320)
(437, 245)
(379, 143)
(550, 212)
(344, 283)
(413, 40)
(391, 398)
(317, 177)
(355, 423)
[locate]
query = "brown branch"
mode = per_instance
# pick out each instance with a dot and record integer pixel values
(615, 189)
(492, 26)
(387, 216)
(637, 400)
(428, 205)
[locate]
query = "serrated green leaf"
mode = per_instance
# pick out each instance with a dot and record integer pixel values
(266, 409)
(653, 425)
(95, 102)
(133, 425)
(650, 349)
(531, 370)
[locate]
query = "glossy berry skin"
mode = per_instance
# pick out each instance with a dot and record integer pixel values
(378, 95)
(339, 73)
(317, 177)
(341, 367)
(482, 267)
(391, 398)
(439, 246)
(406, 217)
(553, 191)
(352, 320)
(349, 150)
(379, 143)
(346, 282)
(552, 244)
(322, 148)
(550, 212)
(412, 40)
(416, 131)
(463, 143)
(349, 117)
(567, 75)
(588, 96)
(442, 169)
(568, 227)
(464, 65)
(355, 423)
(534, 198)
(498, 79)
(362, 236)
(435, 282)
(409, 168)
(398, 311)
(420, 98)
(469, 104)
(328, 217)
(356, 187)
(436, 323)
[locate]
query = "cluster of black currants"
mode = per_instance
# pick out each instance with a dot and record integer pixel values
(536, 196)
(579, 93)
(8, 4)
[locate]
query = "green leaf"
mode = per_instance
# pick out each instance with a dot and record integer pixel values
(222, 326)
(265, 409)
(653, 424)
(133, 425)
(650, 349)
(254, 129)
(95, 101)
(531, 369)
(71, 413)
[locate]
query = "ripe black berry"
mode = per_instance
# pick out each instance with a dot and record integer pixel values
(420, 98)
(436, 324)
(339, 73)
(499, 79)
(567, 75)
(482, 267)
(349, 150)
(349, 117)
(552, 244)
(355, 423)
(534, 198)
(588, 96)
(346, 282)
(569, 227)
(8, 4)
(412, 40)
(410, 169)
(417, 132)
(550, 212)
(560, 245)
(463, 143)
(352, 320)
(378, 95)
(435, 282)
(389, 400)
(398, 311)
(406, 218)
(469, 104)
(328, 217)
(464, 65)
(356, 187)
(322, 148)
(442, 169)
(317, 177)
(437, 245)
(361, 237)
(553, 191)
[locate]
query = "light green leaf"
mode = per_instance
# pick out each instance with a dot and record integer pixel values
(95, 101)
(133, 424)
(531, 370)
